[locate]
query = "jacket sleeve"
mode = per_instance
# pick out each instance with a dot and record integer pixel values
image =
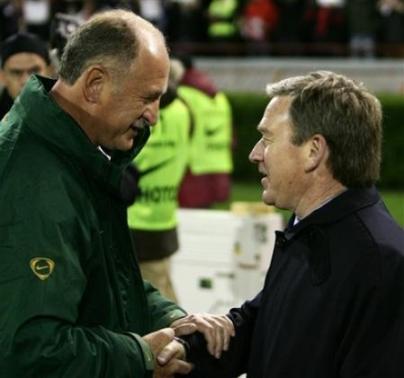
(163, 311)
(233, 362)
(43, 251)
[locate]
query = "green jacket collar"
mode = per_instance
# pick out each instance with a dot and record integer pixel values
(50, 122)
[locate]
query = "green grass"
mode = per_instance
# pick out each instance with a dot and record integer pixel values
(251, 192)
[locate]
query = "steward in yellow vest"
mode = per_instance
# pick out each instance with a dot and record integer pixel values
(210, 157)
(159, 169)
(161, 165)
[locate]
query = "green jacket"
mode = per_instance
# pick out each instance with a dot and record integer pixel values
(73, 303)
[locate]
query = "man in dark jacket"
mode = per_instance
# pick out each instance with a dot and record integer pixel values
(333, 300)
(22, 55)
(73, 300)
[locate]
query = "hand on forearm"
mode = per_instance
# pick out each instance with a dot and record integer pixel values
(217, 329)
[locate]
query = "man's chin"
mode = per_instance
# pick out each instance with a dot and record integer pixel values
(267, 198)
(124, 145)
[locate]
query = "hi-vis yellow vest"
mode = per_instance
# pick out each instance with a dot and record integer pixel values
(212, 135)
(222, 13)
(161, 164)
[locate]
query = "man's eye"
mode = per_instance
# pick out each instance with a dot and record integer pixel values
(34, 70)
(266, 141)
(150, 99)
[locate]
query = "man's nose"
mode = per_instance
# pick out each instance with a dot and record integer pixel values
(255, 155)
(152, 112)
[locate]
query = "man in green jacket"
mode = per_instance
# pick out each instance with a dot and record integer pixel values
(73, 300)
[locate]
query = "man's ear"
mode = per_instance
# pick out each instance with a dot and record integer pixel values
(317, 151)
(95, 79)
(2, 77)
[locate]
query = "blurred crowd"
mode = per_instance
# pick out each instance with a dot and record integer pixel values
(251, 26)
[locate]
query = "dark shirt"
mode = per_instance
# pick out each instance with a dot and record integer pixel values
(332, 305)
(6, 102)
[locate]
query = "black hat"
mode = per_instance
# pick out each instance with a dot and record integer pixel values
(23, 42)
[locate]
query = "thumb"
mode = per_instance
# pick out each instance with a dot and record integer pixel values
(159, 339)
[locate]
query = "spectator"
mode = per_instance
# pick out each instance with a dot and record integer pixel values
(259, 20)
(392, 20)
(62, 26)
(290, 20)
(37, 17)
(10, 15)
(22, 55)
(330, 22)
(186, 20)
(362, 26)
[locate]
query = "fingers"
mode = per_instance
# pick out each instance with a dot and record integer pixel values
(159, 339)
(172, 350)
(217, 329)
(185, 329)
(170, 361)
(174, 367)
(169, 354)
(179, 367)
(229, 331)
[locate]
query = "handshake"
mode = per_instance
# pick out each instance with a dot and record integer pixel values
(170, 352)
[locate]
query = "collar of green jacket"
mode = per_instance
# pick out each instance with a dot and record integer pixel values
(50, 122)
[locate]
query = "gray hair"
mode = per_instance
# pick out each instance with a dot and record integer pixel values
(108, 39)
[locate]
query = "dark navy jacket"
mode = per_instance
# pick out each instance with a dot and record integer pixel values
(332, 304)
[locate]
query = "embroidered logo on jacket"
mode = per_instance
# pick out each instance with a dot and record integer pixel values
(42, 267)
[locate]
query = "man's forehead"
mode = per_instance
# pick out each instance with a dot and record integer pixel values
(24, 60)
(276, 110)
(279, 103)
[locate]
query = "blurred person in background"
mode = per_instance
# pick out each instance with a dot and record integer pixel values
(223, 20)
(259, 20)
(10, 14)
(62, 26)
(158, 171)
(333, 299)
(290, 18)
(392, 20)
(362, 23)
(153, 11)
(187, 21)
(36, 17)
(329, 22)
(208, 177)
(22, 55)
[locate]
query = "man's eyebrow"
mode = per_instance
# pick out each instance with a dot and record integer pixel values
(18, 70)
(153, 95)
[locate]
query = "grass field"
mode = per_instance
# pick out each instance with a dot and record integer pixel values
(252, 192)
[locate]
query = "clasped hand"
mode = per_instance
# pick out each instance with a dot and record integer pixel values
(170, 354)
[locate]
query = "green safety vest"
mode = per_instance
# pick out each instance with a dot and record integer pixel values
(210, 150)
(161, 165)
(222, 11)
